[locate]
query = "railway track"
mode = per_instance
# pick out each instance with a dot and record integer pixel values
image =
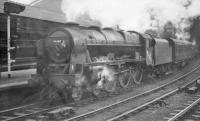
(155, 101)
(120, 104)
(189, 112)
(25, 111)
(33, 110)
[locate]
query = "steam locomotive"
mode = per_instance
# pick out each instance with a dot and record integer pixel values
(74, 59)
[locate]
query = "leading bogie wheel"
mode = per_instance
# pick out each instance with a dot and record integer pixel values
(77, 93)
(96, 91)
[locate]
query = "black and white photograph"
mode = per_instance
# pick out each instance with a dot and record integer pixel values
(99, 60)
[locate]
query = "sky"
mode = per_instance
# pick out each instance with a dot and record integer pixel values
(128, 14)
(131, 14)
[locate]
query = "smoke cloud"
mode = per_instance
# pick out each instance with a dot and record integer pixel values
(132, 14)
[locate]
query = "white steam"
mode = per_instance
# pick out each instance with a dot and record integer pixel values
(105, 75)
(131, 14)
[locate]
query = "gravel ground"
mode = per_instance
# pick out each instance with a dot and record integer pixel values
(16, 97)
(124, 107)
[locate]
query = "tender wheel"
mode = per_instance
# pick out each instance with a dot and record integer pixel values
(124, 80)
(110, 86)
(77, 93)
(137, 75)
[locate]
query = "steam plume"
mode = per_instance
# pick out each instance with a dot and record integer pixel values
(132, 14)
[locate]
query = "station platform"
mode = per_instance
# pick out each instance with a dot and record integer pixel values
(18, 79)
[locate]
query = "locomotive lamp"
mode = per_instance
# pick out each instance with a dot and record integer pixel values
(8, 9)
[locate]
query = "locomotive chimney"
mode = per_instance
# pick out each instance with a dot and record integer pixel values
(82, 27)
(72, 25)
(108, 28)
(97, 28)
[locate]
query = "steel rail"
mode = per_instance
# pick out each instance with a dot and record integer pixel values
(17, 108)
(151, 102)
(33, 113)
(185, 110)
